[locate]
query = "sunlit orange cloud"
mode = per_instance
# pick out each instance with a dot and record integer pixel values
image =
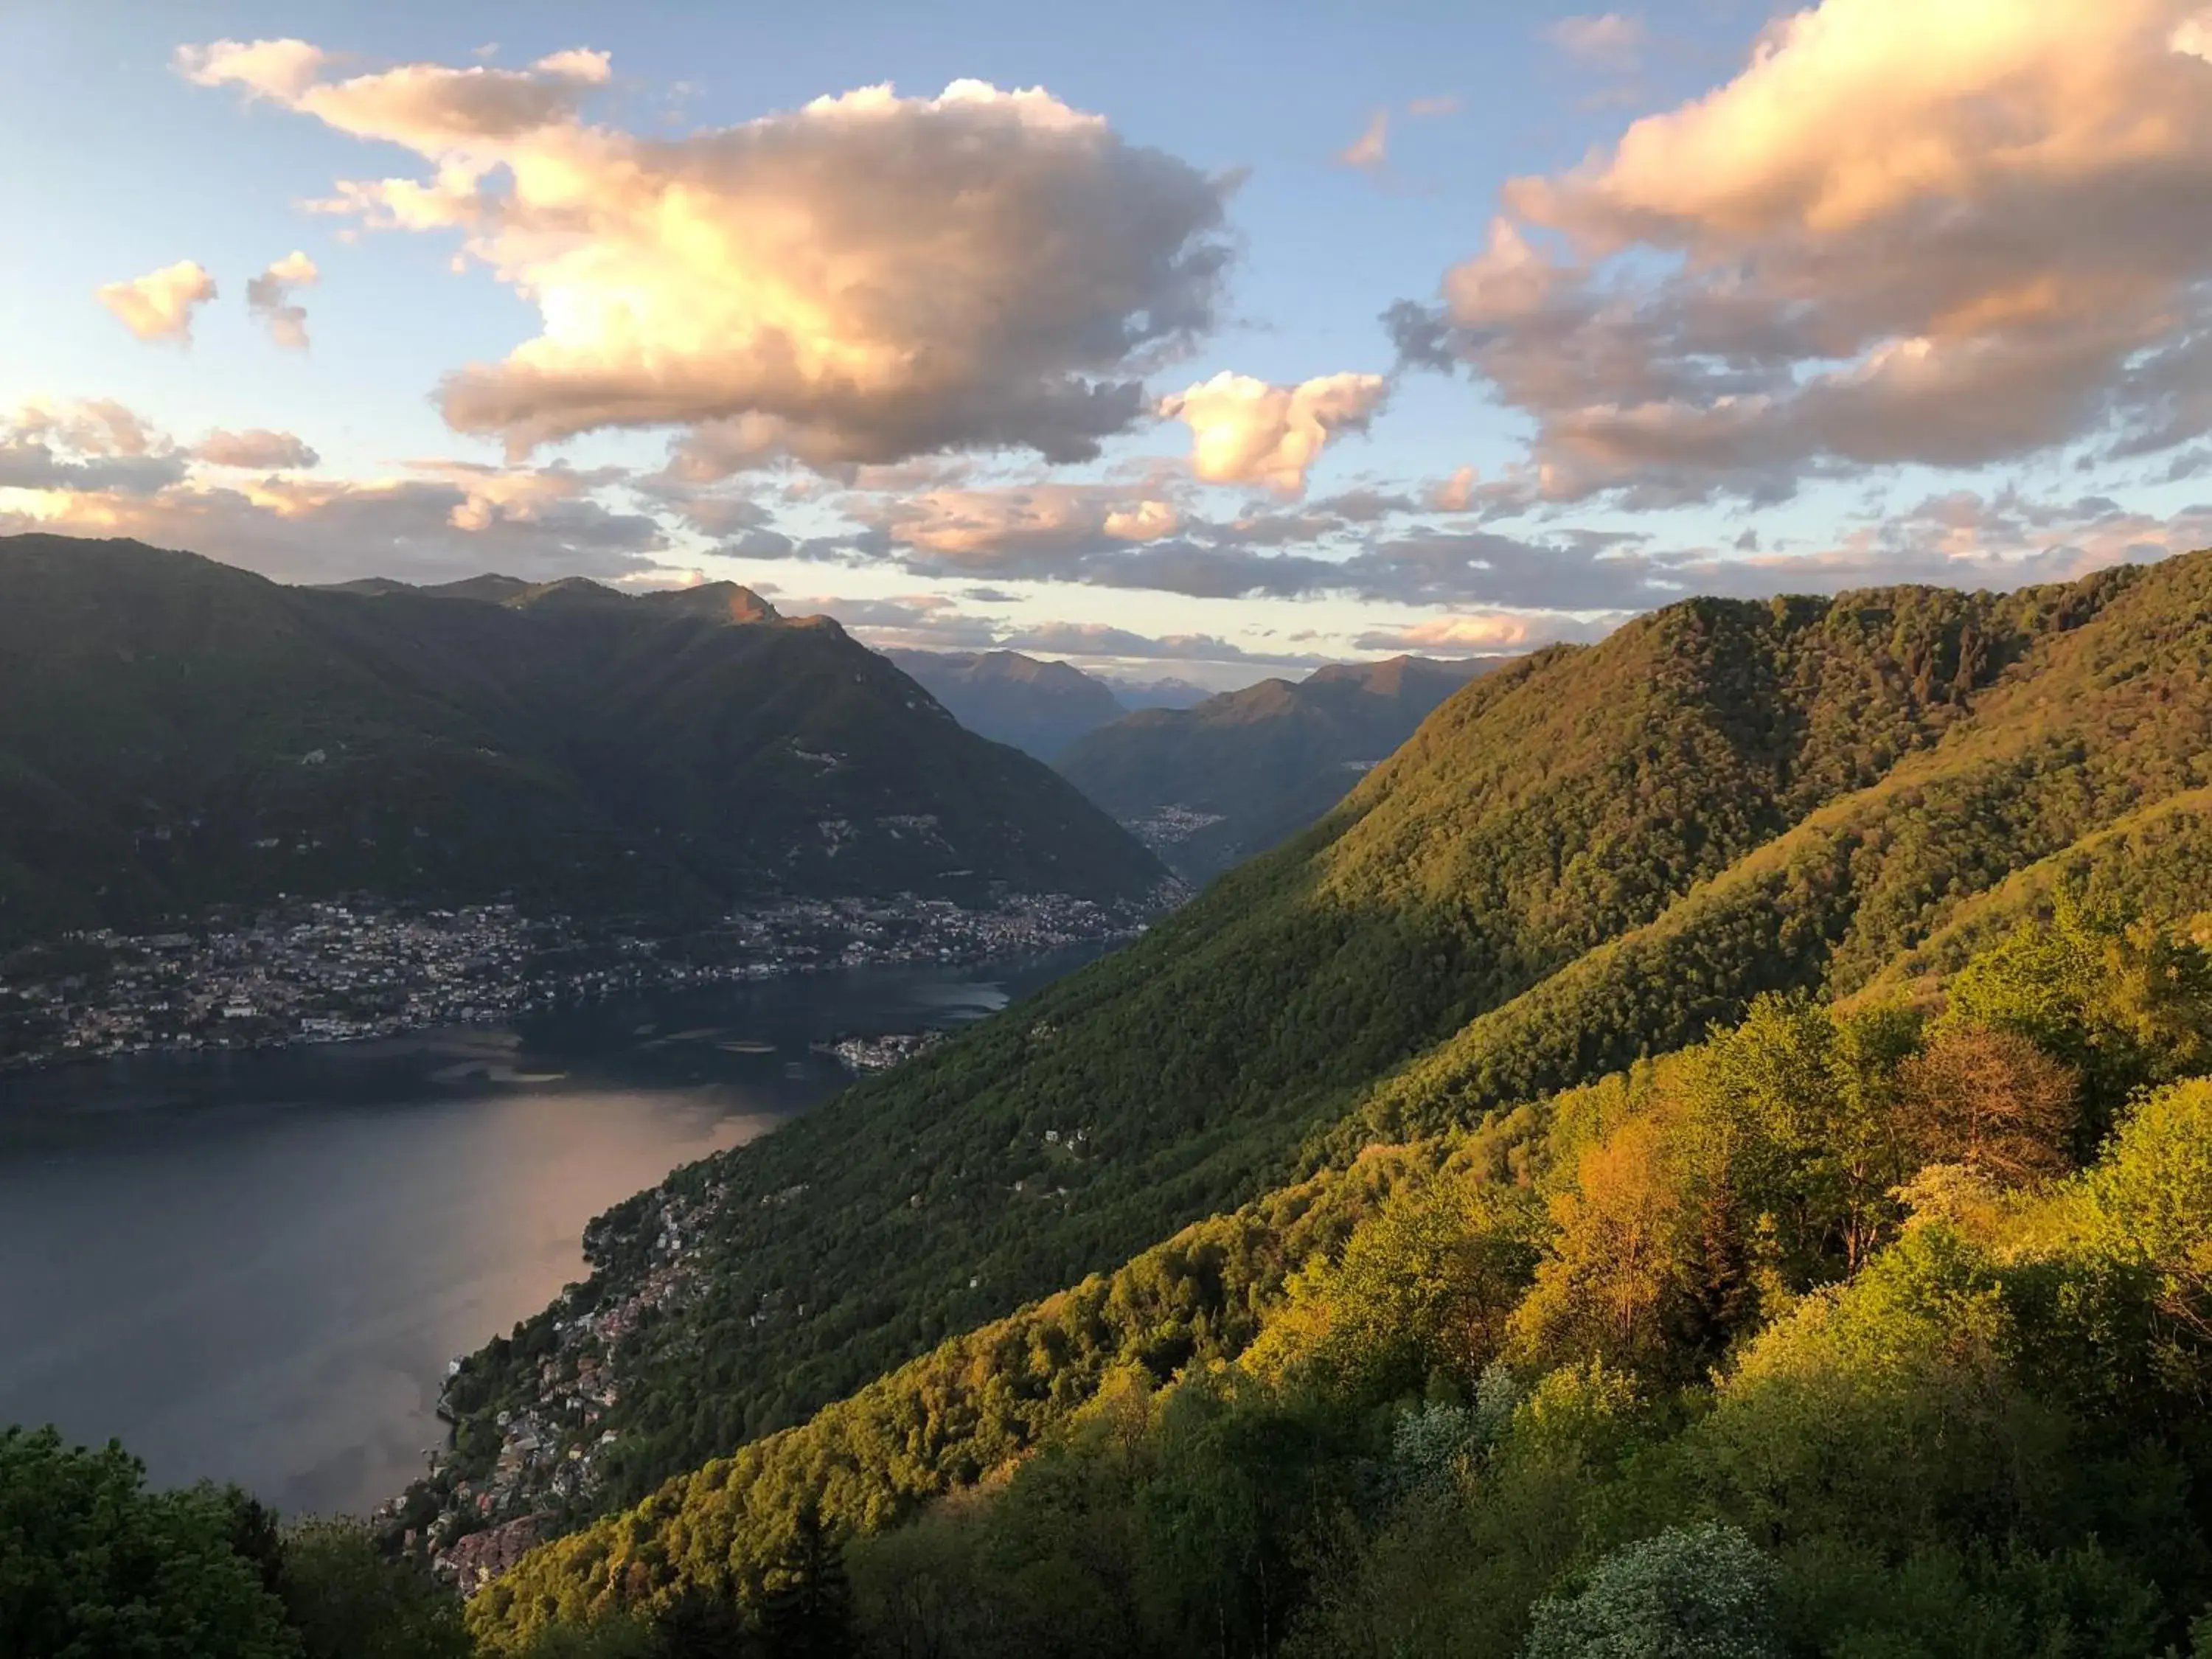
(158, 306)
(989, 529)
(1946, 233)
(257, 450)
(867, 278)
(1249, 431)
(1494, 632)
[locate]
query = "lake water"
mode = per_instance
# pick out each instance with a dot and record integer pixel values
(254, 1267)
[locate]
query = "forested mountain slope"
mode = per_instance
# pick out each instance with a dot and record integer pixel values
(176, 733)
(1590, 854)
(1822, 1282)
(1234, 775)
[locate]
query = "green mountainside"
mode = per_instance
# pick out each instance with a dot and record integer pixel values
(1707, 1150)
(1040, 708)
(1212, 784)
(176, 733)
(1872, 1328)
(1592, 855)
(1819, 1284)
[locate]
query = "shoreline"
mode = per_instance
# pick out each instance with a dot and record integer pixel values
(273, 986)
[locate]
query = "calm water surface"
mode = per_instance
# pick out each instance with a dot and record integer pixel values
(254, 1267)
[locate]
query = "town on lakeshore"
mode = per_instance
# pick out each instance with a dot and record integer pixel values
(327, 972)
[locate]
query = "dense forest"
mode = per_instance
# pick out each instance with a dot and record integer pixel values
(1588, 856)
(1708, 1151)
(1877, 1326)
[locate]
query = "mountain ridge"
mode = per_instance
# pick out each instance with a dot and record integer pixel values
(177, 733)
(1234, 774)
(1589, 854)
(1595, 855)
(1037, 705)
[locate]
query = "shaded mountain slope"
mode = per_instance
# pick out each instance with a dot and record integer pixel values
(1210, 785)
(1040, 708)
(176, 733)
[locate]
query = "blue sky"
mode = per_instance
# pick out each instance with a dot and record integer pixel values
(1778, 306)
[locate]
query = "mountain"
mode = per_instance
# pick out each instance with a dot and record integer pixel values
(177, 733)
(1210, 785)
(1038, 707)
(1169, 693)
(1589, 857)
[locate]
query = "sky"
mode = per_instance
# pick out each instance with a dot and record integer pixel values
(1214, 341)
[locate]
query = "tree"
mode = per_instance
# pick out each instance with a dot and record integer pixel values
(1616, 1263)
(1701, 1592)
(1993, 1101)
(2124, 1001)
(808, 1615)
(92, 1565)
(699, 1626)
(349, 1601)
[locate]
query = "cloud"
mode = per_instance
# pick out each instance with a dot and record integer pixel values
(1947, 235)
(95, 469)
(158, 306)
(1613, 40)
(1454, 493)
(865, 279)
(259, 450)
(98, 445)
(1102, 640)
(413, 528)
(922, 622)
(1248, 431)
(1035, 530)
(1369, 153)
(1371, 149)
(269, 298)
(1482, 633)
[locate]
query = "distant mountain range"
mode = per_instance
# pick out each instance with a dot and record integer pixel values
(176, 733)
(1212, 784)
(1169, 693)
(1039, 706)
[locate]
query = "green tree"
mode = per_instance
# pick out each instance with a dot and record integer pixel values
(95, 1566)
(808, 1612)
(1700, 1592)
(349, 1600)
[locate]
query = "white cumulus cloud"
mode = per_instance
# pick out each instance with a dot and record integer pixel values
(1251, 431)
(158, 306)
(1945, 232)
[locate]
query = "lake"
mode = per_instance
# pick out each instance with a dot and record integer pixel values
(255, 1266)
